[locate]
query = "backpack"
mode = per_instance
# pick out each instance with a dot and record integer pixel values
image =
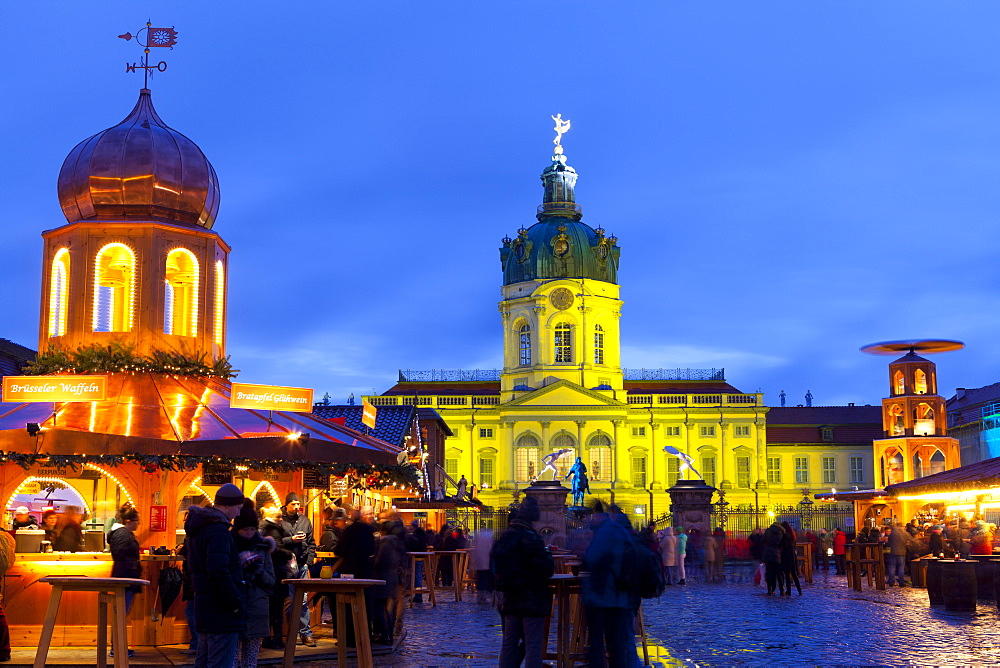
(641, 572)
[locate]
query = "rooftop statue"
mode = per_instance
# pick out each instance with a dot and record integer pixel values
(562, 127)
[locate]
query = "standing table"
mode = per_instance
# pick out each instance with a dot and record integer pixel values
(109, 590)
(430, 574)
(350, 595)
(457, 564)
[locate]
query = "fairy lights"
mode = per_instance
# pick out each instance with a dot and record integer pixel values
(59, 293)
(110, 476)
(266, 487)
(220, 301)
(114, 288)
(45, 479)
(181, 307)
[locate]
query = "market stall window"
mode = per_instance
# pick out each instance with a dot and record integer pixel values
(220, 302)
(114, 288)
(59, 293)
(180, 312)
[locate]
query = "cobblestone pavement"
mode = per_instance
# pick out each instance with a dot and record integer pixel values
(736, 624)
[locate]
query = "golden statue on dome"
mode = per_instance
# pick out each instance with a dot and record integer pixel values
(562, 127)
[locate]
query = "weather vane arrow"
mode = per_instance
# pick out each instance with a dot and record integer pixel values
(150, 38)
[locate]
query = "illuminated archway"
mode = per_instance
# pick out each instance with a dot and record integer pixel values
(180, 307)
(43, 480)
(59, 293)
(114, 288)
(267, 488)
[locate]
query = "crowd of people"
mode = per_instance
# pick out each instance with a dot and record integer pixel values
(63, 531)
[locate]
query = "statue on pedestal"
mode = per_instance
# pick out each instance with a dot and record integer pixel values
(581, 485)
(550, 462)
(686, 462)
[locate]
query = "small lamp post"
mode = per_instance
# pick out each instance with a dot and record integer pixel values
(806, 510)
(721, 509)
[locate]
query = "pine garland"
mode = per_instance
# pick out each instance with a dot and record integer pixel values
(362, 476)
(119, 357)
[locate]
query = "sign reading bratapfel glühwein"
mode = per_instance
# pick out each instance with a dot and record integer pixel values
(271, 397)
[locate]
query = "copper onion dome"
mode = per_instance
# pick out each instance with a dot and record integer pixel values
(140, 168)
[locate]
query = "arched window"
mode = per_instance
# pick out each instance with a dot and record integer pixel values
(564, 343)
(897, 383)
(524, 345)
(598, 458)
(598, 344)
(114, 288)
(897, 424)
(58, 293)
(919, 382)
(220, 302)
(526, 458)
(564, 463)
(180, 308)
(923, 420)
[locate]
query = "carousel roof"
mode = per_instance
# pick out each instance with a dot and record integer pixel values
(980, 475)
(155, 413)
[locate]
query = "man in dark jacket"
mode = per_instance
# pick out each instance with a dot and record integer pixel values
(219, 606)
(522, 568)
(357, 548)
(299, 540)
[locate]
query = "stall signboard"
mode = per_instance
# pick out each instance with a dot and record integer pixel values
(31, 488)
(315, 480)
(157, 518)
(54, 389)
(215, 475)
(338, 486)
(271, 398)
(261, 475)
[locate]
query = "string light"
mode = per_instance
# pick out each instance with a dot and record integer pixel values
(58, 293)
(49, 479)
(220, 300)
(123, 488)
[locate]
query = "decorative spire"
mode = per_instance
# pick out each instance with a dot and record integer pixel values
(559, 179)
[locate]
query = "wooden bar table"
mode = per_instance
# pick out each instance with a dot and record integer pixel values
(804, 555)
(429, 560)
(569, 616)
(108, 590)
(456, 566)
(350, 595)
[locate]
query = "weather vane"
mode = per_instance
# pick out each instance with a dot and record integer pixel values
(562, 127)
(154, 38)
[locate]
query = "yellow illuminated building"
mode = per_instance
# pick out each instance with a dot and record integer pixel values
(562, 386)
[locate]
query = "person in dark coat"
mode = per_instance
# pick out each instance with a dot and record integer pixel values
(389, 555)
(258, 578)
(357, 549)
(771, 555)
(69, 531)
(125, 555)
(299, 540)
(281, 560)
(23, 519)
(789, 561)
(521, 568)
(219, 603)
(416, 541)
(610, 609)
(50, 519)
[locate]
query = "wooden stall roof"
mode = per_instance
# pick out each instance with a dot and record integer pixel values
(980, 475)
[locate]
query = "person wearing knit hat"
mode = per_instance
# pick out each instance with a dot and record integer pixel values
(299, 540)
(219, 593)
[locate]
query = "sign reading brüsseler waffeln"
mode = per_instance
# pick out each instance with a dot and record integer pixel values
(54, 388)
(271, 397)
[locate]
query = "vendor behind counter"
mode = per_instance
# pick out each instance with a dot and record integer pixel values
(62, 532)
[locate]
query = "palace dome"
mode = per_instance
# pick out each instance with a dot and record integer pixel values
(139, 169)
(559, 245)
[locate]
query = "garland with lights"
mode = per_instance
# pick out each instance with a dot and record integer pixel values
(361, 476)
(120, 357)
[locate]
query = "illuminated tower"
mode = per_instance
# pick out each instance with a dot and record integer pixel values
(913, 416)
(560, 304)
(137, 261)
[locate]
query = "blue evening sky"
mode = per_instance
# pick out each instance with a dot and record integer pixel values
(788, 180)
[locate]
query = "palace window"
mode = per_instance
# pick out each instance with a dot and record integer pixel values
(672, 431)
(59, 293)
(708, 431)
(639, 472)
(486, 472)
(526, 458)
(801, 470)
(220, 301)
(829, 470)
(598, 459)
(486, 432)
(742, 430)
(774, 470)
(564, 343)
(857, 469)
(114, 288)
(708, 470)
(673, 471)
(743, 472)
(524, 345)
(451, 467)
(564, 463)
(598, 345)
(826, 434)
(180, 313)
(638, 431)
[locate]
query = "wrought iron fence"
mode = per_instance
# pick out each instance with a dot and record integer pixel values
(674, 374)
(494, 519)
(739, 523)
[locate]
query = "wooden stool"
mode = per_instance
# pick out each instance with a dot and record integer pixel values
(350, 598)
(429, 560)
(641, 632)
(804, 556)
(468, 570)
(109, 591)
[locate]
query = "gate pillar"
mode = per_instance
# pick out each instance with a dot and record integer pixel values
(691, 505)
(551, 497)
